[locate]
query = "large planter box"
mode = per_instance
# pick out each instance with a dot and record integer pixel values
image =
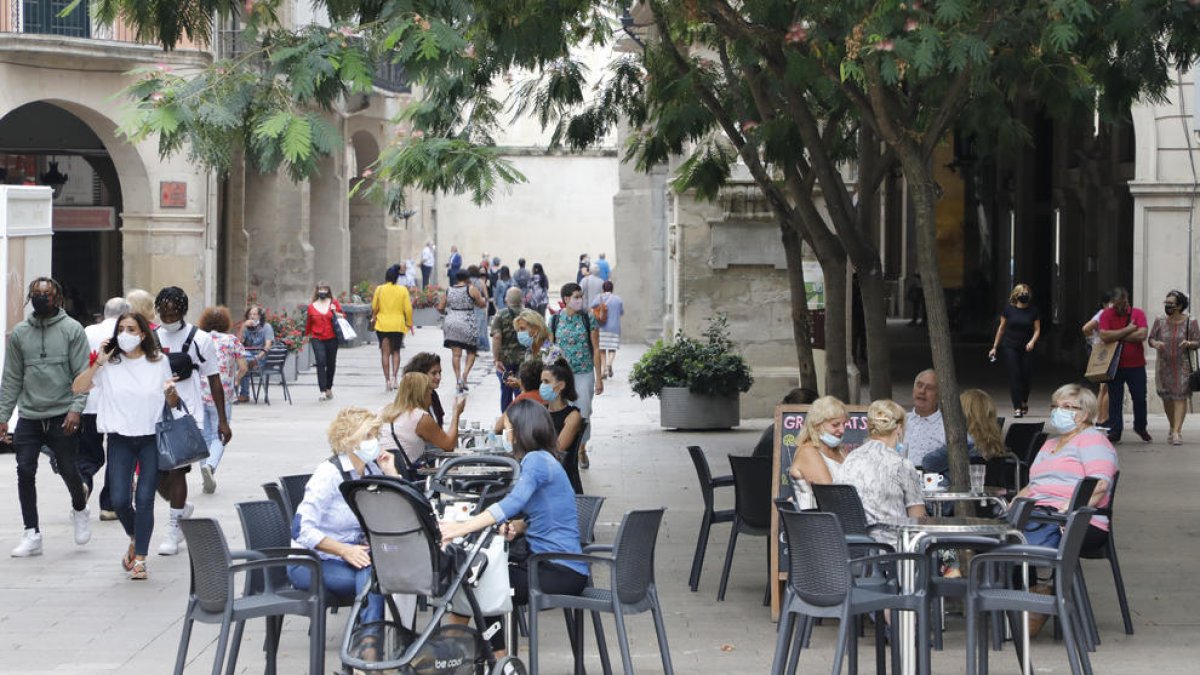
(681, 409)
(359, 316)
(427, 316)
(304, 359)
(290, 370)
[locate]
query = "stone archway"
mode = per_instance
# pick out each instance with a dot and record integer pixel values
(368, 219)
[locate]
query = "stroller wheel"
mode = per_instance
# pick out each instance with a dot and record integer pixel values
(509, 665)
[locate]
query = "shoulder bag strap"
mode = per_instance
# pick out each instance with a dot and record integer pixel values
(187, 345)
(405, 466)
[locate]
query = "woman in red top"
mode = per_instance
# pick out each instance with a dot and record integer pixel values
(318, 326)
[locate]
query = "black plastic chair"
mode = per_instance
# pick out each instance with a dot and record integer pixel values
(711, 516)
(1079, 499)
(752, 510)
(274, 493)
(587, 510)
(845, 502)
(822, 583)
(1019, 439)
(1109, 551)
(212, 598)
(988, 592)
(293, 491)
(631, 590)
(272, 366)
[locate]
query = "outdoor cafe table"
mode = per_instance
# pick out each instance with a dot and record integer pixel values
(995, 495)
(911, 533)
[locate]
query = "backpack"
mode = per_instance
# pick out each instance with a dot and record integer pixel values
(587, 325)
(181, 361)
(600, 311)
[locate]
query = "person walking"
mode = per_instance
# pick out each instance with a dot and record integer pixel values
(592, 287)
(91, 441)
(608, 309)
(392, 316)
(459, 327)
(537, 297)
(231, 366)
(427, 260)
(521, 276)
(453, 265)
(134, 382)
(479, 279)
(1126, 324)
(257, 337)
(574, 331)
(319, 319)
(1174, 335)
(1016, 336)
(509, 351)
(602, 269)
(45, 353)
(504, 281)
(176, 336)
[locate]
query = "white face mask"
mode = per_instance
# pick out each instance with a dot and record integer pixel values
(576, 304)
(368, 450)
(128, 341)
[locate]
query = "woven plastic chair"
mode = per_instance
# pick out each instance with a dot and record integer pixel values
(587, 508)
(1109, 551)
(293, 491)
(711, 516)
(988, 592)
(822, 583)
(1019, 439)
(845, 502)
(275, 494)
(272, 366)
(751, 512)
(1079, 499)
(212, 598)
(631, 590)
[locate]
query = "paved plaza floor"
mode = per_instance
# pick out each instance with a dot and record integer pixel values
(73, 610)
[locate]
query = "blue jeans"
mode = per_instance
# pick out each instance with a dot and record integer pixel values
(1135, 378)
(507, 393)
(124, 453)
(215, 447)
(254, 361)
(342, 581)
(1043, 534)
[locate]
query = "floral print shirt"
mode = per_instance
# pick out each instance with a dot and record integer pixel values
(887, 483)
(229, 349)
(572, 335)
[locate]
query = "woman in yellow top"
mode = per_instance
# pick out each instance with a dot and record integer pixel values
(391, 314)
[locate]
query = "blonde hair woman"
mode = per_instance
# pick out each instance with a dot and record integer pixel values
(887, 482)
(408, 424)
(534, 336)
(983, 433)
(326, 523)
(818, 457)
(1016, 336)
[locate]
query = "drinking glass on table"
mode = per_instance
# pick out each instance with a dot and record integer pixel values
(977, 473)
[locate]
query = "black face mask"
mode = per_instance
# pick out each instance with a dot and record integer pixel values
(1023, 298)
(324, 295)
(1169, 309)
(42, 305)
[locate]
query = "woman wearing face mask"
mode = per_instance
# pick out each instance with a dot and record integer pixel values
(1018, 333)
(558, 391)
(534, 337)
(818, 459)
(318, 326)
(1175, 335)
(257, 337)
(324, 522)
(889, 484)
(407, 423)
(133, 381)
(1077, 451)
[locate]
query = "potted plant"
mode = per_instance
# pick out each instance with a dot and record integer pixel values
(289, 332)
(697, 382)
(424, 302)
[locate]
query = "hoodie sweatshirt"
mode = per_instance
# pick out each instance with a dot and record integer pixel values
(43, 358)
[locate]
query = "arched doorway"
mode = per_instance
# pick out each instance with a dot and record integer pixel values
(368, 219)
(56, 143)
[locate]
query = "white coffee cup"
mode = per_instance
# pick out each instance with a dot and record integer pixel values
(932, 480)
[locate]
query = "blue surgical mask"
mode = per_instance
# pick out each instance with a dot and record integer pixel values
(1062, 421)
(368, 450)
(830, 440)
(506, 442)
(546, 391)
(900, 448)
(524, 338)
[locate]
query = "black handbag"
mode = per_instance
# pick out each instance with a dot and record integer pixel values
(1194, 378)
(179, 439)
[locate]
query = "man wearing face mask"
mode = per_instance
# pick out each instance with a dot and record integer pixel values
(1126, 324)
(46, 352)
(509, 351)
(178, 337)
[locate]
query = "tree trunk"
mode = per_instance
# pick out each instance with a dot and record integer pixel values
(922, 189)
(879, 353)
(800, 322)
(837, 382)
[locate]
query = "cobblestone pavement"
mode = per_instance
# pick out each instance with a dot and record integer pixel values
(73, 611)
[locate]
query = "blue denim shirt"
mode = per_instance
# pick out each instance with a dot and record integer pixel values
(544, 495)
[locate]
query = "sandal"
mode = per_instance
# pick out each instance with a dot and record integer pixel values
(138, 573)
(128, 561)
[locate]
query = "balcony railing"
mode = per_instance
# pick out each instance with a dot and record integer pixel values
(41, 17)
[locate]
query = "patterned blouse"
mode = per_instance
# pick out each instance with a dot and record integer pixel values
(229, 349)
(571, 333)
(887, 483)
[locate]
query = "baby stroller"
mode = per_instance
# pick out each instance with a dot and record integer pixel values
(401, 526)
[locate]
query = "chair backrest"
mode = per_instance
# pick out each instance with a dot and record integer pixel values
(587, 508)
(1072, 543)
(819, 573)
(1020, 436)
(1083, 492)
(1107, 510)
(703, 474)
(752, 490)
(293, 490)
(209, 556)
(264, 526)
(275, 494)
(403, 533)
(633, 550)
(845, 502)
(275, 358)
(1000, 423)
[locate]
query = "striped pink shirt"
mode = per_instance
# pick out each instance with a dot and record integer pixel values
(1053, 476)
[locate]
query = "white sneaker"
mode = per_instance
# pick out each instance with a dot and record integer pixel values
(31, 544)
(172, 538)
(210, 483)
(188, 509)
(83, 526)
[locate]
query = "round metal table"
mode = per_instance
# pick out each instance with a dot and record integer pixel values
(995, 495)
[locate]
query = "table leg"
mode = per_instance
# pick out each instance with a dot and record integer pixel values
(905, 622)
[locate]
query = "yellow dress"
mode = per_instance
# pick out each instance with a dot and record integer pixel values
(392, 308)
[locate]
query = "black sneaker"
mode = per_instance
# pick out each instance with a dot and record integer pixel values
(1114, 438)
(1144, 435)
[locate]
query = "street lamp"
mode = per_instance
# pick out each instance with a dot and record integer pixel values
(54, 178)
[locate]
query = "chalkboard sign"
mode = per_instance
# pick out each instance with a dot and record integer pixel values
(789, 427)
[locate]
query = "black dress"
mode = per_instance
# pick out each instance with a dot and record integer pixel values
(570, 455)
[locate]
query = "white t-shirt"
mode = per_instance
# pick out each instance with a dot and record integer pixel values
(427, 256)
(131, 396)
(97, 333)
(202, 346)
